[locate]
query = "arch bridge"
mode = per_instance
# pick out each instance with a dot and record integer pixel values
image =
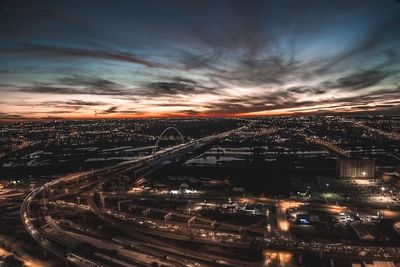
(162, 135)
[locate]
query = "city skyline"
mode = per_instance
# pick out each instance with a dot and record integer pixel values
(135, 59)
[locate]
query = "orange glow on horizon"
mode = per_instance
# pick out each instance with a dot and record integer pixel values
(156, 115)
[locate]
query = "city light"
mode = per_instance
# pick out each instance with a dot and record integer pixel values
(200, 133)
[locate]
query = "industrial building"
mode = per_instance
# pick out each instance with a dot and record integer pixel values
(355, 168)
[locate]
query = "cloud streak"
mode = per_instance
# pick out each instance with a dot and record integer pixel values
(52, 52)
(199, 58)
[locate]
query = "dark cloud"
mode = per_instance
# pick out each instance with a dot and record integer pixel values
(116, 110)
(368, 98)
(80, 102)
(53, 89)
(96, 86)
(239, 36)
(74, 85)
(243, 32)
(71, 105)
(8, 71)
(71, 52)
(190, 60)
(261, 72)
(374, 101)
(89, 82)
(189, 49)
(10, 116)
(189, 112)
(67, 103)
(359, 80)
(49, 89)
(246, 43)
(286, 100)
(175, 104)
(129, 111)
(174, 86)
(268, 102)
(110, 110)
(307, 89)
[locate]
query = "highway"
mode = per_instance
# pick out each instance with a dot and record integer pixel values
(147, 237)
(353, 251)
(158, 156)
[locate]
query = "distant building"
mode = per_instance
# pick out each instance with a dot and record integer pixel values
(238, 190)
(355, 168)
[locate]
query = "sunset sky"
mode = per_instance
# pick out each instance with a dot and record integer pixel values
(87, 59)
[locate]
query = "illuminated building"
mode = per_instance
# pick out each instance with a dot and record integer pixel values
(355, 168)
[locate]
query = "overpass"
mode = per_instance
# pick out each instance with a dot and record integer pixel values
(160, 156)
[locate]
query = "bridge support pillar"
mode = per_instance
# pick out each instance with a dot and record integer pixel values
(191, 220)
(102, 200)
(168, 216)
(146, 212)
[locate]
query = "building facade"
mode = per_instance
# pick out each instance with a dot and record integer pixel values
(355, 168)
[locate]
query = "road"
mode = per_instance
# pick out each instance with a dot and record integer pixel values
(153, 245)
(158, 157)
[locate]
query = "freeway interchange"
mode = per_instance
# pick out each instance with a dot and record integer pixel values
(148, 230)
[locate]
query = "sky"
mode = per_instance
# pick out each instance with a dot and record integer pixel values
(128, 59)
